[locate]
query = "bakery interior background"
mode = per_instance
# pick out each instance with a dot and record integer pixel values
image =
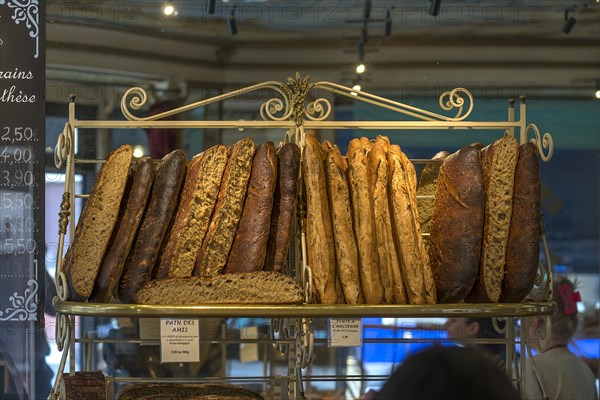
(548, 51)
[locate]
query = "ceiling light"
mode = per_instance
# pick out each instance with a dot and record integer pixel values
(435, 7)
(360, 68)
(169, 9)
(138, 151)
(357, 87)
(598, 94)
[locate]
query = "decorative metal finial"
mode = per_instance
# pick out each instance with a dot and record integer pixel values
(296, 90)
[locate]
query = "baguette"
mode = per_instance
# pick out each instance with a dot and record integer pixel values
(249, 247)
(523, 249)
(499, 161)
(96, 224)
(364, 222)
(170, 391)
(213, 254)
(346, 253)
(196, 206)
(165, 194)
(457, 225)
(259, 287)
(132, 209)
(319, 234)
(284, 206)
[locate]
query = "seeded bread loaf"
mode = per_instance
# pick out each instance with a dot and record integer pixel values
(196, 206)
(364, 221)
(523, 250)
(171, 391)
(249, 247)
(284, 206)
(132, 209)
(84, 385)
(319, 234)
(259, 287)
(155, 222)
(499, 161)
(457, 225)
(213, 254)
(346, 253)
(426, 192)
(96, 224)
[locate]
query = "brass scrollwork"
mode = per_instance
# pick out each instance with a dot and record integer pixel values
(62, 150)
(318, 110)
(453, 100)
(544, 144)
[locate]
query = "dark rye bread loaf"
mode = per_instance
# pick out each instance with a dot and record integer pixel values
(364, 221)
(346, 254)
(389, 263)
(456, 230)
(249, 247)
(206, 391)
(198, 199)
(319, 234)
(499, 161)
(132, 209)
(96, 224)
(259, 287)
(284, 206)
(155, 222)
(84, 385)
(523, 250)
(214, 252)
(426, 192)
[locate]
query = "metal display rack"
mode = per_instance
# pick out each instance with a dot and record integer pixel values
(291, 110)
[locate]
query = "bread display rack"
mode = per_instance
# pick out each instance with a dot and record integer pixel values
(292, 111)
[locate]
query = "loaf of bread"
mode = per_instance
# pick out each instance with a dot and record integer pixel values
(426, 192)
(196, 206)
(249, 247)
(457, 225)
(346, 253)
(84, 385)
(319, 234)
(523, 250)
(259, 287)
(389, 263)
(171, 391)
(96, 224)
(132, 209)
(406, 227)
(213, 254)
(284, 206)
(155, 222)
(499, 161)
(364, 221)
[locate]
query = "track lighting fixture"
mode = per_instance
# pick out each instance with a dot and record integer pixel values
(356, 87)
(360, 68)
(169, 9)
(367, 10)
(211, 5)
(597, 94)
(388, 22)
(435, 7)
(570, 21)
(231, 22)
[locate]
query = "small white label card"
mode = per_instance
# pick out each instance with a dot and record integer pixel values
(344, 332)
(149, 330)
(249, 351)
(179, 340)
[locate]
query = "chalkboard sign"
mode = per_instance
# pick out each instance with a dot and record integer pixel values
(22, 120)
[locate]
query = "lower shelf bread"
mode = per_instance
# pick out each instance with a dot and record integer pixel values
(259, 287)
(208, 391)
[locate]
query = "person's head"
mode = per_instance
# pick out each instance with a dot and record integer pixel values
(465, 329)
(564, 321)
(449, 373)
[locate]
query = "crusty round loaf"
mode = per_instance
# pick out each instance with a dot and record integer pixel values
(523, 251)
(96, 224)
(132, 210)
(456, 230)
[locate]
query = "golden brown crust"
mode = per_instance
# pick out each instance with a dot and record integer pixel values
(364, 222)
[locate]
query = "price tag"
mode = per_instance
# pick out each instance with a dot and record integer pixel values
(149, 329)
(179, 340)
(344, 332)
(249, 351)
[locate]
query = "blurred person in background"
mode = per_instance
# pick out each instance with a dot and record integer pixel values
(466, 331)
(562, 375)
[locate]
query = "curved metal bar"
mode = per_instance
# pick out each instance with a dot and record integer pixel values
(63, 146)
(454, 100)
(139, 97)
(544, 144)
(318, 110)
